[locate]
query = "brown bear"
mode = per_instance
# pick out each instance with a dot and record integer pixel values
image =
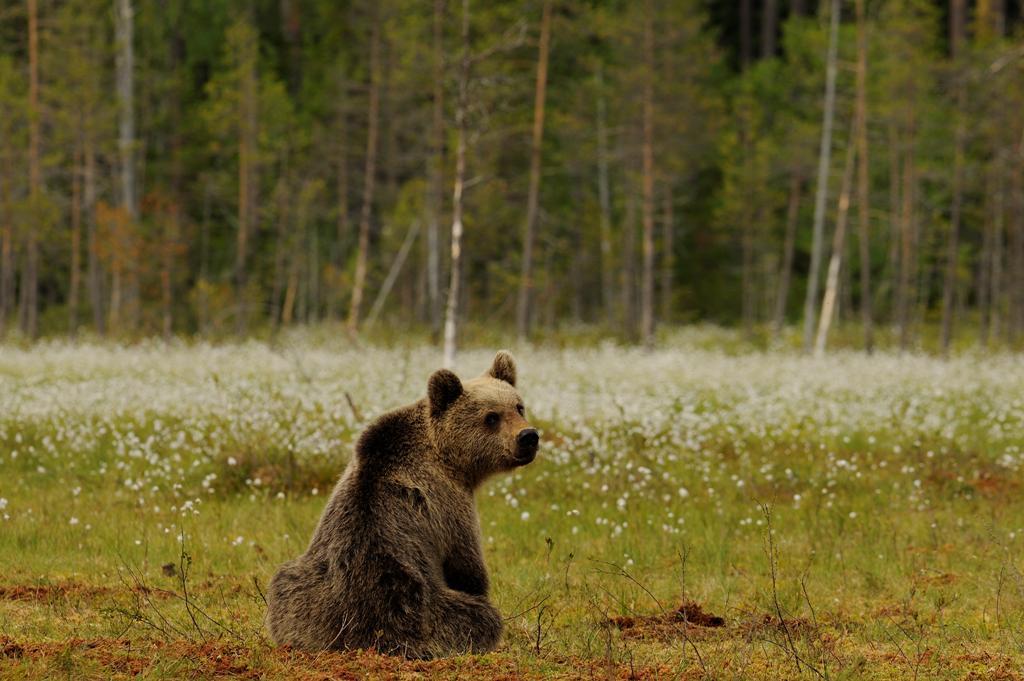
(395, 562)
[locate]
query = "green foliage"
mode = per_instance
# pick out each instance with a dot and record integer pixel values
(729, 142)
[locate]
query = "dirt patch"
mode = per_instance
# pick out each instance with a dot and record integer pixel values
(257, 660)
(941, 548)
(9, 648)
(994, 485)
(667, 625)
(983, 657)
(770, 623)
(940, 579)
(997, 667)
(692, 613)
(994, 674)
(47, 593)
(925, 657)
(119, 656)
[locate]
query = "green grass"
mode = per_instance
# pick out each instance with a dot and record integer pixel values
(892, 485)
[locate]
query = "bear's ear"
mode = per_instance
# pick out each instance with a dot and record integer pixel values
(443, 388)
(503, 368)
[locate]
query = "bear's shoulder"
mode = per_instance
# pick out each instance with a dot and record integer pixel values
(393, 441)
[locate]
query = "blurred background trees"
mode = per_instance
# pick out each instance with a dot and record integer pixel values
(237, 166)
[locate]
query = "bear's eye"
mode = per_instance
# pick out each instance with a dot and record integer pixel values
(522, 412)
(492, 419)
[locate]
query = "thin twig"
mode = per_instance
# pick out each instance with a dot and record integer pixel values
(256, 583)
(772, 557)
(528, 610)
(184, 562)
(141, 592)
(352, 406)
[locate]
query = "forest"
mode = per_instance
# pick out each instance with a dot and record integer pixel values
(223, 167)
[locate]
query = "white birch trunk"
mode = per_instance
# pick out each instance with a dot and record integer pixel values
(451, 314)
(824, 161)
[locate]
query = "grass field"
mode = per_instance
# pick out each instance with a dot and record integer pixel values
(843, 518)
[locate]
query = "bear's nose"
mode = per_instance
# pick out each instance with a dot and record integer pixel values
(528, 438)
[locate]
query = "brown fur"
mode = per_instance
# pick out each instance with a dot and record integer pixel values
(395, 562)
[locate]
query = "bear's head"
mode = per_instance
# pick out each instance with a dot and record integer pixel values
(479, 426)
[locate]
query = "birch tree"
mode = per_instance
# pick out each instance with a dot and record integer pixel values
(824, 163)
(828, 302)
(451, 313)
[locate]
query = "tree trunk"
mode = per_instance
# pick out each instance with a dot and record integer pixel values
(247, 151)
(985, 267)
(996, 272)
(369, 178)
(342, 228)
(393, 272)
(821, 195)
(526, 274)
(452, 308)
(579, 262)
(387, 153)
(991, 18)
(6, 239)
(126, 109)
(957, 21)
(788, 246)
(116, 271)
(172, 222)
(305, 253)
(667, 256)
(769, 27)
(747, 218)
(604, 198)
(746, 33)
(1016, 283)
(203, 303)
(436, 177)
(844, 305)
(125, 25)
(892, 260)
(172, 228)
(30, 278)
(313, 257)
(282, 201)
(291, 291)
(95, 275)
(908, 256)
(863, 182)
(828, 302)
(76, 236)
(291, 28)
(647, 289)
(629, 268)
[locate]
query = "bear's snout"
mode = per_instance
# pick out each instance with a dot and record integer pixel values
(528, 440)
